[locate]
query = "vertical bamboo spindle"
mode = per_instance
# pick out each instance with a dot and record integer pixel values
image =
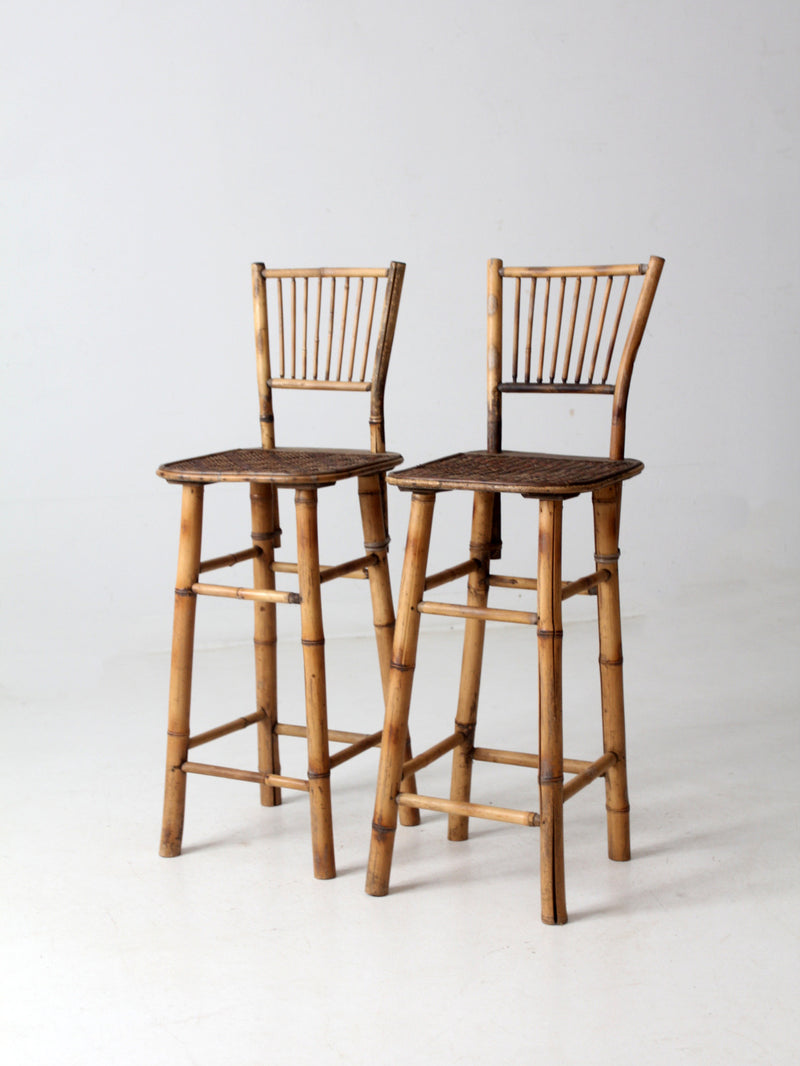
(395, 729)
(180, 683)
(376, 539)
(471, 662)
(551, 756)
(265, 638)
(313, 640)
(606, 525)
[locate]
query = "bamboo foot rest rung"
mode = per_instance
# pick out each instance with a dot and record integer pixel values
(358, 566)
(471, 810)
(359, 571)
(230, 592)
(508, 581)
(356, 742)
(585, 772)
(443, 577)
(367, 742)
(224, 730)
(433, 753)
(490, 614)
(336, 736)
(525, 758)
(593, 771)
(582, 586)
(275, 780)
(229, 560)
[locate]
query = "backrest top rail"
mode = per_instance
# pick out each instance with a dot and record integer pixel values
(327, 272)
(619, 270)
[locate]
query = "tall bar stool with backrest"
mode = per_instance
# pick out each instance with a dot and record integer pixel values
(550, 352)
(326, 330)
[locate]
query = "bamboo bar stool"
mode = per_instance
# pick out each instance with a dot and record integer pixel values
(564, 325)
(325, 330)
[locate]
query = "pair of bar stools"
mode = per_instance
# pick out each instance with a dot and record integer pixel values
(322, 329)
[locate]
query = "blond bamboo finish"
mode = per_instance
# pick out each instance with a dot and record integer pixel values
(395, 729)
(550, 636)
(313, 639)
(372, 498)
(471, 661)
(566, 325)
(180, 688)
(231, 773)
(226, 729)
(327, 329)
(606, 526)
(463, 810)
(265, 637)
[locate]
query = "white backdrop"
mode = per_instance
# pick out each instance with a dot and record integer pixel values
(153, 150)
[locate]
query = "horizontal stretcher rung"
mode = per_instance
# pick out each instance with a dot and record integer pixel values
(226, 729)
(360, 566)
(371, 741)
(584, 584)
(336, 736)
(229, 560)
(594, 770)
(525, 758)
(451, 574)
(490, 614)
(436, 751)
(230, 592)
(275, 780)
(470, 810)
(508, 581)
(291, 568)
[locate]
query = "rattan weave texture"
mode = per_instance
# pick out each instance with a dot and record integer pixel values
(288, 466)
(528, 473)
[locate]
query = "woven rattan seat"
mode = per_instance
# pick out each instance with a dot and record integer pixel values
(280, 466)
(329, 330)
(549, 330)
(525, 473)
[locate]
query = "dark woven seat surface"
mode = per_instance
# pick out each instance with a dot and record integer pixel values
(529, 473)
(287, 466)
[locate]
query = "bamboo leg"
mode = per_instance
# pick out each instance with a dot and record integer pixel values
(551, 756)
(483, 514)
(313, 639)
(265, 638)
(606, 525)
(371, 495)
(180, 683)
(395, 729)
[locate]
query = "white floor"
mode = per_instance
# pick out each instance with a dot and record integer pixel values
(232, 953)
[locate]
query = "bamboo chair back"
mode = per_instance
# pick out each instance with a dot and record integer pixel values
(561, 330)
(326, 329)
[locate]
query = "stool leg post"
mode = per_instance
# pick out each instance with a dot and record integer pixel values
(265, 637)
(606, 524)
(180, 683)
(372, 500)
(313, 640)
(483, 516)
(551, 755)
(395, 729)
